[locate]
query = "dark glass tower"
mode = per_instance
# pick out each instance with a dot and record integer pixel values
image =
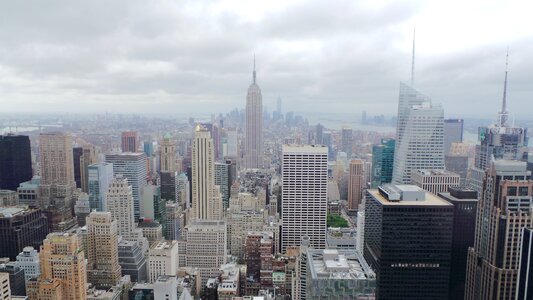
(77, 153)
(21, 227)
(15, 161)
(382, 162)
(408, 242)
(525, 276)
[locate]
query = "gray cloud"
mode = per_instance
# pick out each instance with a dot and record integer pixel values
(174, 56)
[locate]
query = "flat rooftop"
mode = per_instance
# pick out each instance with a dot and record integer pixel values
(305, 148)
(10, 211)
(430, 200)
(338, 264)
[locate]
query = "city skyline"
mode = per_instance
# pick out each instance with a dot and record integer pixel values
(357, 60)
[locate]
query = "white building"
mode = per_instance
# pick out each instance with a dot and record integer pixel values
(435, 181)
(162, 260)
(304, 195)
(28, 260)
(419, 135)
(5, 290)
(133, 167)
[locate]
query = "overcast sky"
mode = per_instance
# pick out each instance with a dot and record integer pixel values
(318, 56)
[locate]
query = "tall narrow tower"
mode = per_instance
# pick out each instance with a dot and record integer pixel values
(206, 201)
(253, 148)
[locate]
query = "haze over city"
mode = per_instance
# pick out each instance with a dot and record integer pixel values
(197, 56)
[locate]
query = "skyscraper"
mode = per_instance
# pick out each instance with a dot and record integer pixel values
(504, 209)
(525, 279)
(100, 176)
(168, 154)
(347, 141)
(253, 147)
(382, 162)
(206, 200)
(419, 135)
(453, 133)
(21, 227)
(103, 270)
(131, 166)
(222, 173)
(304, 195)
(62, 258)
(356, 183)
(407, 241)
(130, 141)
(119, 200)
(77, 152)
(15, 161)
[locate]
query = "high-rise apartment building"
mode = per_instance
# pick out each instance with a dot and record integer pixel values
(103, 269)
(504, 210)
(408, 242)
(253, 147)
(382, 162)
(419, 135)
(100, 176)
(15, 161)
(453, 133)
(464, 224)
(206, 199)
(435, 181)
(62, 258)
(304, 195)
(21, 227)
(130, 141)
(356, 183)
(132, 166)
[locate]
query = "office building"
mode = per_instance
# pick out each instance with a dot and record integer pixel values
(304, 195)
(222, 174)
(347, 141)
(100, 176)
(62, 258)
(504, 210)
(174, 219)
(163, 259)
(151, 230)
(28, 260)
(132, 260)
(57, 165)
(130, 141)
(435, 181)
(132, 166)
(103, 269)
(382, 162)
(168, 154)
(253, 141)
(77, 152)
(241, 222)
(456, 160)
(408, 242)
(356, 184)
(29, 192)
(338, 274)
(21, 227)
(82, 208)
(464, 224)
(8, 198)
(205, 247)
(45, 289)
(15, 161)
(5, 289)
(453, 133)
(419, 135)
(525, 276)
(88, 157)
(16, 278)
(206, 199)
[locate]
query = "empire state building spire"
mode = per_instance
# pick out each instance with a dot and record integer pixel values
(254, 69)
(504, 115)
(253, 147)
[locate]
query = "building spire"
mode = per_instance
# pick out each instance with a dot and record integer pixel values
(504, 115)
(413, 61)
(254, 68)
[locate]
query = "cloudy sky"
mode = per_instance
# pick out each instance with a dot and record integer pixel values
(319, 56)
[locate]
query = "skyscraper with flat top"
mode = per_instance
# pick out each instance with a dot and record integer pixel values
(419, 135)
(304, 195)
(253, 147)
(356, 183)
(15, 161)
(206, 199)
(130, 141)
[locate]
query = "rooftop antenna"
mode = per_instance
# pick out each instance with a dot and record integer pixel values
(254, 68)
(413, 61)
(504, 115)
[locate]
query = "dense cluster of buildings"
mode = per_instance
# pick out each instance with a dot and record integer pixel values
(233, 209)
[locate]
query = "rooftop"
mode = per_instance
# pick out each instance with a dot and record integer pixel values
(338, 264)
(305, 148)
(10, 211)
(429, 199)
(433, 172)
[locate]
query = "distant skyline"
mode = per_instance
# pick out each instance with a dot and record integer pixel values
(197, 56)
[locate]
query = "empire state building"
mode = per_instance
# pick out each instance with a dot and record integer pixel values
(253, 148)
